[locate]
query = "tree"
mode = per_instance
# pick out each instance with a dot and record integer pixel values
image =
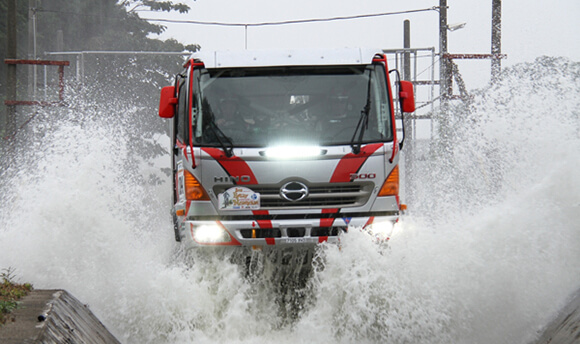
(107, 25)
(21, 20)
(98, 25)
(166, 6)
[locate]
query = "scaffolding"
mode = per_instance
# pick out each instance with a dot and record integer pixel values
(81, 55)
(45, 63)
(400, 57)
(453, 73)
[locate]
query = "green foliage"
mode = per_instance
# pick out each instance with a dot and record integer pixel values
(166, 6)
(106, 25)
(86, 25)
(10, 293)
(21, 20)
(7, 307)
(21, 46)
(98, 25)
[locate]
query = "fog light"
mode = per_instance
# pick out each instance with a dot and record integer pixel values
(210, 234)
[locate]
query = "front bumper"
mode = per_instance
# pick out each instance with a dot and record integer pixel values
(260, 233)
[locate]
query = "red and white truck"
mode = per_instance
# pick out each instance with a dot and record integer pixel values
(284, 147)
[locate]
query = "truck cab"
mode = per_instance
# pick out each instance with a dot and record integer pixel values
(283, 148)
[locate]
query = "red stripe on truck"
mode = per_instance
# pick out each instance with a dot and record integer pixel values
(330, 221)
(234, 166)
(262, 223)
(351, 163)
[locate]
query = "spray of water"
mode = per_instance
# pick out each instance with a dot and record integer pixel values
(488, 255)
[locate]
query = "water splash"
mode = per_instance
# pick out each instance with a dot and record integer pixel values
(488, 255)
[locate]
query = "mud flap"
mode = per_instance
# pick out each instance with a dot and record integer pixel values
(176, 228)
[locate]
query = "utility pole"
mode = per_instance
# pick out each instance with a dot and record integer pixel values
(32, 69)
(445, 71)
(443, 62)
(495, 40)
(407, 54)
(408, 123)
(11, 53)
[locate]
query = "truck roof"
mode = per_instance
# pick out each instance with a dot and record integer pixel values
(301, 57)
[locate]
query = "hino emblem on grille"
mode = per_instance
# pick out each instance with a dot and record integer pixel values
(294, 191)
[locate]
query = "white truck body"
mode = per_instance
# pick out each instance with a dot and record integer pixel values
(278, 148)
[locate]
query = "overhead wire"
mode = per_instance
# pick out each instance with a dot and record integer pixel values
(286, 22)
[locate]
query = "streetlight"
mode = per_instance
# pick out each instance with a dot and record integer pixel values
(456, 26)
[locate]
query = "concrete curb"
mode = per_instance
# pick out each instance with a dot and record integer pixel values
(565, 328)
(53, 316)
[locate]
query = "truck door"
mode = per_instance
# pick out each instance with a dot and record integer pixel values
(178, 136)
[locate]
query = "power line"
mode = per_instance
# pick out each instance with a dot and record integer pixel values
(286, 22)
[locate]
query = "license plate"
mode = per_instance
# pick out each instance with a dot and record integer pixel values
(296, 240)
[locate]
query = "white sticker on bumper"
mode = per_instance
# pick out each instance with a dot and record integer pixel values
(238, 198)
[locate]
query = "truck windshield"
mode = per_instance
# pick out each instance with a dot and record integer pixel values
(263, 107)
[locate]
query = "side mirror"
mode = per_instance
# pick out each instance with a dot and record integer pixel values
(406, 96)
(167, 102)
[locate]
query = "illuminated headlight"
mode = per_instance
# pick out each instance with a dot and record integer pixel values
(397, 229)
(210, 234)
(292, 152)
(381, 229)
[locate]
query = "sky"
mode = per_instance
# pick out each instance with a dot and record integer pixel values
(529, 28)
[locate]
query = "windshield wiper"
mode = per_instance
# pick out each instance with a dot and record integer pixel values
(363, 122)
(222, 139)
(219, 134)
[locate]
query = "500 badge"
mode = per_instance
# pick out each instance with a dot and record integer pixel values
(355, 176)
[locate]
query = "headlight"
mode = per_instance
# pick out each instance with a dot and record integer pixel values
(380, 229)
(397, 229)
(210, 234)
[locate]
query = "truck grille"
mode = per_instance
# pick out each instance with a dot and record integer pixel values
(328, 195)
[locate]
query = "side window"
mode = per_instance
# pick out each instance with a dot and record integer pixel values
(197, 118)
(382, 103)
(181, 117)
